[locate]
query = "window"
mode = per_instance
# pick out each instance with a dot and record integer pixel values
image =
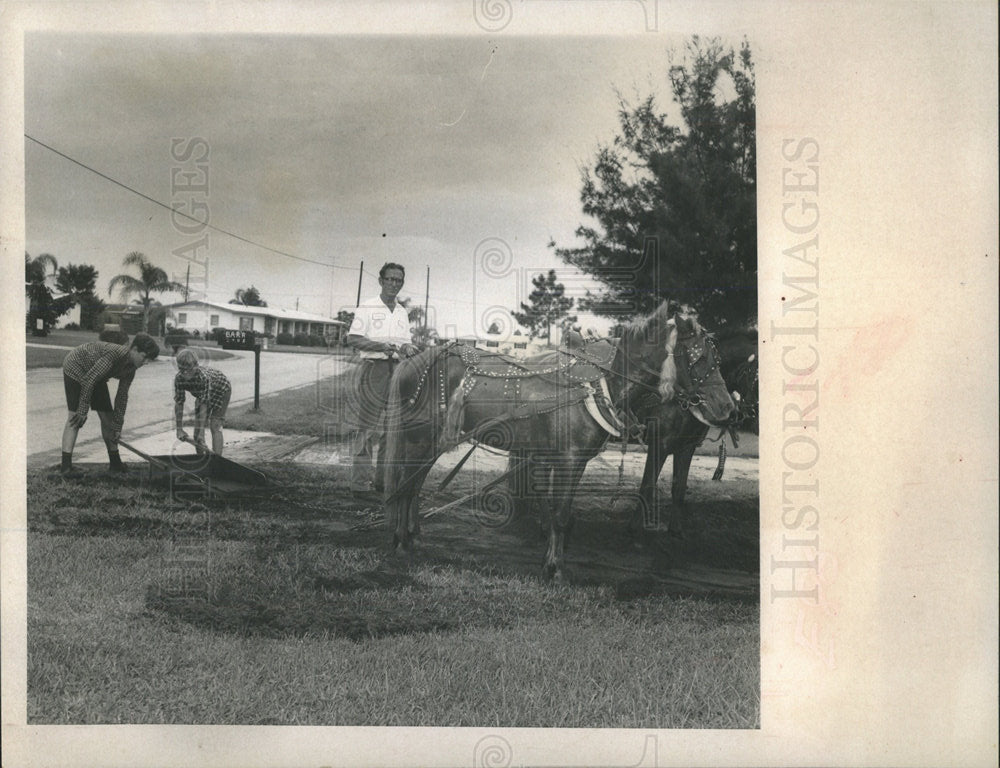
(246, 323)
(520, 345)
(213, 320)
(492, 343)
(182, 318)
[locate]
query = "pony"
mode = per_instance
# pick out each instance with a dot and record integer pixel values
(554, 413)
(738, 364)
(674, 428)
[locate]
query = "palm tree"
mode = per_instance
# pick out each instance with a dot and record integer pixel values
(249, 297)
(36, 271)
(152, 279)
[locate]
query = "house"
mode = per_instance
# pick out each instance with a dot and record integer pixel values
(204, 316)
(515, 345)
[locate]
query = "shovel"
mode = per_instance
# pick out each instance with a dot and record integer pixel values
(224, 468)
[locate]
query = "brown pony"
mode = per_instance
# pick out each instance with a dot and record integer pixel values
(541, 409)
(677, 428)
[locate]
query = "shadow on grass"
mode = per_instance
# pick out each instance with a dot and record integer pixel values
(228, 608)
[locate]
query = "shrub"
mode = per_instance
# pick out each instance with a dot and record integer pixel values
(176, 339)
(317, 341)
(71, 327)
(217, 334)
(114, 336)
(285, 338)
(302, 340)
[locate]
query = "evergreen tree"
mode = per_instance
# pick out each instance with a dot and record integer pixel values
(547, 305)
(675, 205)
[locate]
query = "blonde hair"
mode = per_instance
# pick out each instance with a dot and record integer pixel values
(187, 357)
(668, 371)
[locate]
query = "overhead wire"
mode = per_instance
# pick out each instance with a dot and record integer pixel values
(175, 211)
(204, 223)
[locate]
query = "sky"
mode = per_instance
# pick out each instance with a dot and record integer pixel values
(458, 154)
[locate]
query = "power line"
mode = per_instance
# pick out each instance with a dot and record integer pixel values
(181, 213)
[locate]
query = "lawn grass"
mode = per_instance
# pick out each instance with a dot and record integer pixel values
(508, 652)
(37, 356)
(145, 611)
(318, 409)
(40, 357)
(272, 611)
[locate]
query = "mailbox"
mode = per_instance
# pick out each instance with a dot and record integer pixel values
(239, 340)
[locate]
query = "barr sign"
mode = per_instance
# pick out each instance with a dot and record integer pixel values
(238, 340)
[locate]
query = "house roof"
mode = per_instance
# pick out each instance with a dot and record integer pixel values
(275, 312)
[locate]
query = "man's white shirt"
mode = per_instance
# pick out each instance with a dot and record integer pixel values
(375, 321)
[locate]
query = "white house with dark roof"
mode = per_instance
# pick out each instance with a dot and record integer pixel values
(204, 316)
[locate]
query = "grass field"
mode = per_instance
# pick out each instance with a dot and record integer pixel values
(277, 610)
(314, 409)
(37, 356)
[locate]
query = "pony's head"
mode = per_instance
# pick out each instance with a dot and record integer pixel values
(644, 346)
(690, 372)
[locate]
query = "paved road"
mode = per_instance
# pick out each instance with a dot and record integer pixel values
(151, 395)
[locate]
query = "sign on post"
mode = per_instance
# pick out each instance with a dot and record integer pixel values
(238, 340)
(247, 341)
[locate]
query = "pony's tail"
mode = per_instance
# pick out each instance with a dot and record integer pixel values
(453, 420)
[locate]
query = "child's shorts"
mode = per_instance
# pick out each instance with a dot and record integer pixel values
(218, 413)
(100, 400)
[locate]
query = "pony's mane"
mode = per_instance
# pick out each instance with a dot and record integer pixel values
(642, 325)
(668, 371)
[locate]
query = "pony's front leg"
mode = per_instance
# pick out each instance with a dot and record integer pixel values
(678, 489)
(412, 508)
(402, 488)
(646, 513)
(566, 476)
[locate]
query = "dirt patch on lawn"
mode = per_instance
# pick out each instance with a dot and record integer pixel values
(310, 505)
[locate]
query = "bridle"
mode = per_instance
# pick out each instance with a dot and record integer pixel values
(691, 396)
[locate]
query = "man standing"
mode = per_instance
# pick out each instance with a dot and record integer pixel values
(381, 334)
(86, 371)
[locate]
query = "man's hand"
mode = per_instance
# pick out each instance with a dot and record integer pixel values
(76, 420)
(408, 350)
(182, 435)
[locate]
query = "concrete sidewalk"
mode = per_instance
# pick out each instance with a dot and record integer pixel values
(161, 440)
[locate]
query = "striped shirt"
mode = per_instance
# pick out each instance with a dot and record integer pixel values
(206, 384)
(97, 362)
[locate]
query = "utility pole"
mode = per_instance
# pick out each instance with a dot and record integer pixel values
(427, 295)
(361, 272)
(333, 280)
(187, 283)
